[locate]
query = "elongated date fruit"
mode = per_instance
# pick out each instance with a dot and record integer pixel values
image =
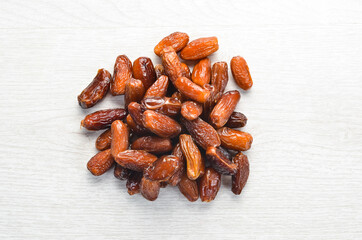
(120, 137)
(158, 88)
(152, 144)
(224, 108)
(189, 188)
(144, 70)
(150, 189)
(171, 64)
(100, 163)
(103, 119)
(160, 124)
(104, 140)
(176, 40)
(96, 90)
(134, 182)
(241, 177)
(136, 160)
(191, 110)
(163, 168)
(241, 73)
(209, 185)
(235, 139)
(192, 155)
(122, 72)
(186, 71)
(121, 173)
(192, 90)
(202, 132)
(167, 106)
(176, 177)
(236, 120)
(220, 162)
(201, 74)
(200, 48)
(134, 91)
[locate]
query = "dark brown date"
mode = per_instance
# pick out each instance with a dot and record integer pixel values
(136, 129)
(133, 182)
(150, 189)
(189, 188)
(220, 162)
(103, 119)
(209, 185)
(236, 120)
(143, 70)
(241, 177)
(121, 173)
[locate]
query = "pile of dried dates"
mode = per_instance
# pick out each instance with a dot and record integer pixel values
(177, 127)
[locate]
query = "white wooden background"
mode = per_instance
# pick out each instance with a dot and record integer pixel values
(305, 113)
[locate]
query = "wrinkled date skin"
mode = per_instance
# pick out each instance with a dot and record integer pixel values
(235, 139)
(160, 70)
(167, 106)
(150, 189)
(191, 110)
(103, 119)
(134, 91)
(100, 163)
(160, 124)
(176, 40)
(176, 177)
(200, 48)
(120, 137)
(136, 111)
(134, 182)
(189, 188)
(136, 129)
(241, 177)
(224, 108)
(152, 144)
(202, 132)
(220, 162)
(121, 173)
(163, 168)
(236, 120)
(201, 74)
(144, 70)
(209, 185)
(192, 90)
(186, 71)
(241, 73)
(192, 155)
(96, 90)
(171, 64)
(158, 88)
(122, 72)
(104, 140)
(136, 160)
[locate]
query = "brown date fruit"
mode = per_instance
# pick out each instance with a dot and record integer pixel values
(134, 91)
(192, 90)
(143, 70)
(235, 139)
(219, 77)
(160, 124)
(96, 90)
(236, 120)
(136, 111)
(188, 188)
(176, 40)
(163, 184)
(191, 110)
(241, 177)
(152, 144)
(160, 70)
(120, 137)
(178, 96)
(133, 182)
(176, 177)
(136, 160)
(200, 48)
(163, 168)
(201, 74)
(209, 185)
(104, 140)
(220, 162)
(136, 129)
(241, 73)
(171, 63)
(202, 132)
(100, 163)
(186, 71)
(224, 108)
(122, 72)
(103, 119)
(167, 106)
(121, 173)
(158, 88)
(192, 155)
(150, 189)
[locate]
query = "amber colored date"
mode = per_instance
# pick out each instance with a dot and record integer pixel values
(103, 119)
(144, 70)
(152, 144)
(176, 177)
(201, 73)
(136, 160)
(158, 88)
(121, 173)
(136, 111)
(100, 163)
(220, 162)
(176, 40)
(241, 73)
(241, 177)
(150, 189)
(122, 72)
(96, 90)
(192, 90)
(192, 155)
(209, 185)
(224, 108)
(136, 129)
(120, 137)
(134, 182)
(167, 106)
(134, 91)
(162, 169)
(171, 64)
(185, 71)
(160, 70)
(104, 140)
(191, 110)
(160, 124)
(235, 139)
(189, 188)
(200, 48)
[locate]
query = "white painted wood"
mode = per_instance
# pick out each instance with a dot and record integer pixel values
(305, 113)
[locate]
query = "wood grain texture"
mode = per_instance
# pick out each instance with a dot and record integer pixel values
(304, 111)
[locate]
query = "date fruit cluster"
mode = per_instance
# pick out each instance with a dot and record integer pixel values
(178, 127)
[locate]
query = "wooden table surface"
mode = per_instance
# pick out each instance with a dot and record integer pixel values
(304, 111)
